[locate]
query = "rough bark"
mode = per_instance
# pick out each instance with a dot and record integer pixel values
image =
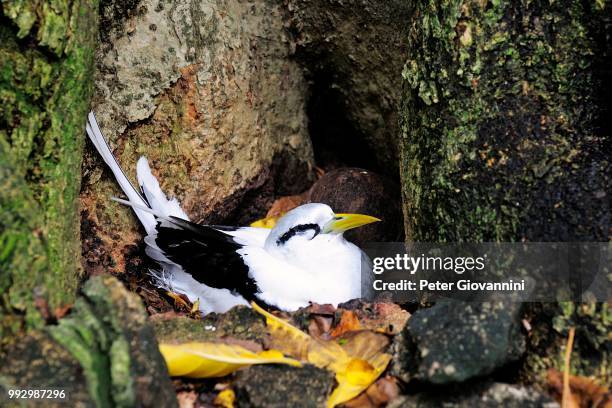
(46, 65)
(208, 93)
(503, 121)
(354, 52)
(506, 137)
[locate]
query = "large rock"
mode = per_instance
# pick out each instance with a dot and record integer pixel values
(278, 386)
(454, 341)
(46, 61)
(353, 190)
(506, 129)
(104, 354)
(208, 92)
(482, 396)
(36, 361)
(108, 334)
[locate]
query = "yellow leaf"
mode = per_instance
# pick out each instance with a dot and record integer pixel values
(268, 222)
(285, 337)
(225, 399)
(205, 360)
(327, 354)
(357, 377)
(358, 362)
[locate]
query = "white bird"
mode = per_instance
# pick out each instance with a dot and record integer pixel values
(304, 258)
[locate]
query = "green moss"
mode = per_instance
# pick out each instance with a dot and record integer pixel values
(106, 332)
(121, 378)
(43, 105)
(504, 138)
(501, 122)
(85, 337)
(591, 352)
(551, 323)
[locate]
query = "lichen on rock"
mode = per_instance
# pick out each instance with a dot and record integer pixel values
(207, 91)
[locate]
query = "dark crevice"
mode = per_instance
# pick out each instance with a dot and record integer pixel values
(335, 140)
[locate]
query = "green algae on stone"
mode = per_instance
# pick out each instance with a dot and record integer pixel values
(502, 121)
(46, 79)
(240, 323)
(108, 333)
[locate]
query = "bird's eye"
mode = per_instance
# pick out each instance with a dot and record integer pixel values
(298, 229)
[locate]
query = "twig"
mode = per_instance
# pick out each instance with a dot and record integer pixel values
(567, 393)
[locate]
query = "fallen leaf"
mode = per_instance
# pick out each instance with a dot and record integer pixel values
(320, 326)
(62, 311)
(585, 391)
(384, 390)
(225, 398)
(205, 360)
(357, 358)
(356, 377)
(364, 344)
(285, 337)
(324, 309)
(279, 208)
(180, 301)
(186, 399)
(377, 395)
(383, 317)
(348, 322)
(286, 204)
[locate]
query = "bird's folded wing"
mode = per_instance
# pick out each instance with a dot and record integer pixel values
(210, 256)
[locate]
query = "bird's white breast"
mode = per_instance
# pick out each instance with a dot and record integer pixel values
(325, 269)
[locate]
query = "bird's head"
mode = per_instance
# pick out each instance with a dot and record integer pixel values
(309, 220)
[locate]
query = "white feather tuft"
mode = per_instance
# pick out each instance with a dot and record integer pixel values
(153, 193)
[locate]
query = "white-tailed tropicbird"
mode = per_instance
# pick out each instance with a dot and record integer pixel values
(303, 259)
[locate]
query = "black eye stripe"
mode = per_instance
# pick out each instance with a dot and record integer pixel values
(296, 230)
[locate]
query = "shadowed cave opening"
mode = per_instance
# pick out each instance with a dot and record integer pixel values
(335, 140)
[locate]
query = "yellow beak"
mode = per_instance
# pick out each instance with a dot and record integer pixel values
(345, 222)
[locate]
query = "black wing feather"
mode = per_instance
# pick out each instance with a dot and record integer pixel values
(207, 254)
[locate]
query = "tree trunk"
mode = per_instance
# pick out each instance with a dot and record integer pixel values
(46, 61)
(207, 91)
(503, 132)
(506, 137)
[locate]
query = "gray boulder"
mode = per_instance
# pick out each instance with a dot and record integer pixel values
(454, 341)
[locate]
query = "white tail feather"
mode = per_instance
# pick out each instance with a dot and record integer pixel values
(94, 133)
(155, 196)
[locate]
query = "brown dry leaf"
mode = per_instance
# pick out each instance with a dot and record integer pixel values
(377, 395)
(324, 309)
(62, 311)
(286, 204)
(348, 323)
(585, 392)
(319, 326)
(383, 317)
(364, 344)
